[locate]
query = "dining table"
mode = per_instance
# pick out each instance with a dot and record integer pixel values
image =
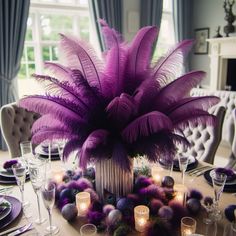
(72, 228)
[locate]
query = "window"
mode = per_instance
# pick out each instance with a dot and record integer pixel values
(46, 20)
(166, 37)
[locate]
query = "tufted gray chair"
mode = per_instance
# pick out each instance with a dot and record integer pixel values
(205, 139)
(16, 123)
(232, 159)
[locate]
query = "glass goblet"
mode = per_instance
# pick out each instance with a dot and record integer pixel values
(19, 171)
(48, 191)
(26, 150)
(37, 178)
(218, 182)
(183, 164)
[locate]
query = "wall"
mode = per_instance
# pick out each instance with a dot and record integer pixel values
(206, 13)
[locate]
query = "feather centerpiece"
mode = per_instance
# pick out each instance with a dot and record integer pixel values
(121, 106)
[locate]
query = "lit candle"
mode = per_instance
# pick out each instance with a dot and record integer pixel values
(180, 191)
(57, 175)
(83, 202)
(188, 226)
(141, 216)
(156, 172)
(187, 232)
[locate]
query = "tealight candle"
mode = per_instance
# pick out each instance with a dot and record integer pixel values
(188, 226)
(82, 202)
(141, 216)
(57, 175)
(156, 172)
(180, 190)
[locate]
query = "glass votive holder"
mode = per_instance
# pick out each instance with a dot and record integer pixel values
(88, 230)
(57, 175)
(141, 217)
(188, 226)
(82, 203)
(180, 193)
(156, 172)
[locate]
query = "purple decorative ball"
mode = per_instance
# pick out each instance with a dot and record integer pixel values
(167, 181)
(155, 205)
(125, 205)
(108, 208)
(90, 172)
(208, 201)
(114, 217)
(229, 212)
(94, 196)
(165, 212)
(69, 211)
(134, 198)
(142, 182)
(84, 183)
(194, 206)
(95, 217)
(195, 194)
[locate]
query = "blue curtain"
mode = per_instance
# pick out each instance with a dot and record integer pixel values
(182, 13)
(109, 10)
(13, 24)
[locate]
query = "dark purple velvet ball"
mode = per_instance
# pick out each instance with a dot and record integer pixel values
(94, 196)
(96, 206)
(152, 191)
(194, 193)
(208, 201)
(178, 212)
(62, 202)
(95, 217)
(125, 205)
(193, 205)
(159, 227)
(167, 181)
(73, 184)
(165, 212)
(229, 212)
(135, 198)
(84, 183)
(155, 205)
(142, 182)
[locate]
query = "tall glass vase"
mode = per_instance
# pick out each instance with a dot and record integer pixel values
(110, 177)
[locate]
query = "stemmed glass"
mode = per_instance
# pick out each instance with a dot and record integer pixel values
(26, 150)
(19, 171)
(218, 181)
(48, 191)
(37, 178)
(60, 148)
(183, 164)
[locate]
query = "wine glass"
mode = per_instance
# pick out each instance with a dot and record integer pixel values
(60, 148)
(19, 171)
(48, 191)
(26, 150)
(37, 178)
(183, 164)
(218, 182)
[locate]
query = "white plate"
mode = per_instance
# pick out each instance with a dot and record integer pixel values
(228, 182)
(7, 211)
(5, 173)
(39, 150)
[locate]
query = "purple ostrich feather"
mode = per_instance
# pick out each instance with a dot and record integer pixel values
(120, 106)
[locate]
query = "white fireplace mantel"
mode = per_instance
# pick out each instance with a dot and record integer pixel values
(221, 49)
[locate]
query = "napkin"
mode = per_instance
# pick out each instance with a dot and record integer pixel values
(8, 164)
(229, 172)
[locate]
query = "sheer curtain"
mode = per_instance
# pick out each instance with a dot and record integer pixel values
(13, 24)
(110, 11)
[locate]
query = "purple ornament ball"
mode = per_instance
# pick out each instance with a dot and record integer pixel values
(134, 197)
(73, 184)
(114, 217)
(193, 206)
(167, 181)
(108, 208)
(84, 183)
(69, 211)
(208, 201)
(94, 196)
(95, 217)
(142, 182)
(195, 194)
(155, 205)
(229, 212)
(165, 212)
(125, 205)
(62, 202)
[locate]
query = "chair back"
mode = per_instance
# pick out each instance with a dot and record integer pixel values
(205, 139)
(16, 123)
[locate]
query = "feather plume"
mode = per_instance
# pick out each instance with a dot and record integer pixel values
(71, 146)
(59, 108)
(146, 125)
(140, 51)
(94, 140)
(169, 94)
(61, 72)
(166, 67)
(121, 109)
(83, 54)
